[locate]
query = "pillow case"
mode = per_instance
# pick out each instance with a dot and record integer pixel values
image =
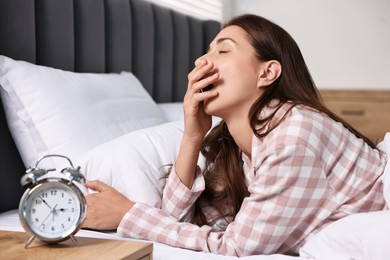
(134, 163)
(385, 147)
(172, 111)
(359, 236)
(51, 111)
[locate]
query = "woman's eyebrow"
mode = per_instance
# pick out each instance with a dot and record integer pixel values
(225, 39)
(220, 40)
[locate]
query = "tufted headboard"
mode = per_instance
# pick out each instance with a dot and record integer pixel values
(157, 44)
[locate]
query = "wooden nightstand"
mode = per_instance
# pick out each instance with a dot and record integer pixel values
(367, 111)
(12, 247)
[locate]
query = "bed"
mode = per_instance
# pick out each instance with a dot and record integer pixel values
(101, 81)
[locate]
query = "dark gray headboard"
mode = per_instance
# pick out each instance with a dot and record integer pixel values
(157, 44)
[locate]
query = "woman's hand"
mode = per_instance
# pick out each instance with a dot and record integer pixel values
(197, 122)
(106, 208)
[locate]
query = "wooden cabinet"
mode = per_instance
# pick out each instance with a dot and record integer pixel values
(367, 111)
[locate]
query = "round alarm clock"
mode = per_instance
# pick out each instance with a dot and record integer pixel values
(52, 209)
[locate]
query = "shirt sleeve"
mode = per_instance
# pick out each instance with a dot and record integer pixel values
(177, 199)
(287, 196)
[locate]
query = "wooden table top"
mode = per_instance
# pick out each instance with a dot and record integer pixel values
(12, 247)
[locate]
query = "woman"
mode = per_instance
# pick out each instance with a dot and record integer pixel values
(279, 166)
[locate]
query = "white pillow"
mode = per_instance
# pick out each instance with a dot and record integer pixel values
(172, 111)
(361, 236)
(385, 147)
(54, 111)
(134, 163)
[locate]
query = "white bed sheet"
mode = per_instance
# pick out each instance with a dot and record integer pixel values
(10, 221)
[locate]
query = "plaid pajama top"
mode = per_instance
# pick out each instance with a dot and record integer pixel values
(306, 173)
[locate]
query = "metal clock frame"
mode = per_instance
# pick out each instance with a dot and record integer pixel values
(31, 178)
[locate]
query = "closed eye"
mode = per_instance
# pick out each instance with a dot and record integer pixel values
(222, 52)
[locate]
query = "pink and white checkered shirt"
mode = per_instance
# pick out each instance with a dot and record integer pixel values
(308, 172)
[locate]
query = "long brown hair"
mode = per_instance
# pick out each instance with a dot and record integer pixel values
(224, 177)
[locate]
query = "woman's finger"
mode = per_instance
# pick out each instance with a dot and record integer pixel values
(199, 72)
(206, 81)
(97, 185)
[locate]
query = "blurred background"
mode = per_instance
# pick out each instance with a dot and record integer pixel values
(346, 43)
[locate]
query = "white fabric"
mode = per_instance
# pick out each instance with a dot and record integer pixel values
(362, 236)
(133, 163)
(55, 111)
(172, 111)
(385, 146)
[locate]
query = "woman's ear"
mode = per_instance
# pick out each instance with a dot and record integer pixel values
(269, 72)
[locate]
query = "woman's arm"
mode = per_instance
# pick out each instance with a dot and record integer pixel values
(196, 122)
(177, 200)
(107, 207)
(287, 201)
(185, 182)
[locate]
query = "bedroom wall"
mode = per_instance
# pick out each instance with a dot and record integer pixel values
(346, 44)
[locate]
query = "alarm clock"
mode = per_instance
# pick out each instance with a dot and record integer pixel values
(52, 209)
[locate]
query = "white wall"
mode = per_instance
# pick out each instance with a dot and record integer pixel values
(202, 9)
(346, 43)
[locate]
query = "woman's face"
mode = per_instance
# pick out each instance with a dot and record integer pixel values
(235, 60)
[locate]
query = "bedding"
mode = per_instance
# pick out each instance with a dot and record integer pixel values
(134, 163)
(385, 147)
(172, 111)
(359, 236)
(60, 63)
(52, 111)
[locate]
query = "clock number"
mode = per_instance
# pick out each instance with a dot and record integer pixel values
(53, 228)
(36, 220)
(53, 192)
(38, 202)
(44, 194)
(69, 201)
(62, 226)
(43, 226)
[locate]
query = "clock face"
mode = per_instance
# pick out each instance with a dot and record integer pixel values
(53, 210)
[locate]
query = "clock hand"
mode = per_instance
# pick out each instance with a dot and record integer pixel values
(44, 201)
(62, 209)
(51, 211)
(46, 218)
(54, 211)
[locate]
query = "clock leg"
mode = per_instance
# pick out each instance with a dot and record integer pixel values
(29, 241)
(74, 240)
